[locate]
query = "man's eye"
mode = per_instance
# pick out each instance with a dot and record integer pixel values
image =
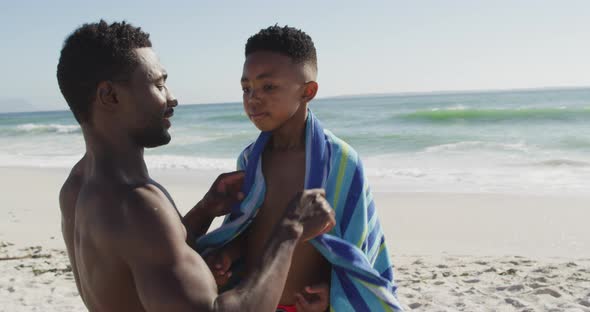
(246, 90)
(160, 87)
(268, 87)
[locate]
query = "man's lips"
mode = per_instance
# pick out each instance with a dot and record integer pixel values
(167, 115)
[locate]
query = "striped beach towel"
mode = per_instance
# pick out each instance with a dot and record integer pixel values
(362, 273)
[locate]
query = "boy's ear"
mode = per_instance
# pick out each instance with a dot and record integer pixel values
(311, 89)
(106, 96)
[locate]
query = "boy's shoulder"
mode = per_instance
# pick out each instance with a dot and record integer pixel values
(248, 149)
(340, 149)
(244, 155)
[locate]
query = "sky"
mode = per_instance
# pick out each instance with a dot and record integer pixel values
(363, 47)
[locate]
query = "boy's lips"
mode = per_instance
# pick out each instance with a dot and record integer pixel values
(258, 116)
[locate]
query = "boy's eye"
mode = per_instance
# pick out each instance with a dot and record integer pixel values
(268, 87)
(160, 87)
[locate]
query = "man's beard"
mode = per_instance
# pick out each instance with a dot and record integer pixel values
(153, 136)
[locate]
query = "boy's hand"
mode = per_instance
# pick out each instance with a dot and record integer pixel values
(220, 263)
(313, 213)
(313, 299)
(225, 191)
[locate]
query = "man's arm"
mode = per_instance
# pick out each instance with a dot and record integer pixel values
(67, 205)
(218, 201)
(197, 222)
(221, 261)
(169, 275)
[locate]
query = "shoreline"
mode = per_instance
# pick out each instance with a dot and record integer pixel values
(415, 223)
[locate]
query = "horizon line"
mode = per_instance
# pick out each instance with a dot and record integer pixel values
(375, 94)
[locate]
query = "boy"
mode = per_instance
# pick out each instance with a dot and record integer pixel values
(294, 153)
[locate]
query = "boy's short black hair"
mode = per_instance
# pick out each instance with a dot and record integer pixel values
(286, 40)
(93, 53)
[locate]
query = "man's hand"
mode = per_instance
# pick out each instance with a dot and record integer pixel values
(313, 212)
(225, 191)
(220, 263)
(313, 299)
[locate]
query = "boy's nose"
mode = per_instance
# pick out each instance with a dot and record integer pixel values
(253, 98)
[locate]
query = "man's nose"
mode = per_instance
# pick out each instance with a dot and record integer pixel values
(172, 101)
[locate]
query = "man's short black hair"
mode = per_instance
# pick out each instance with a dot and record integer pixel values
(93, 53)
(286, 40)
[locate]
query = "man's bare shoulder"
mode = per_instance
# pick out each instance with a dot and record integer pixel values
(133, 216)
(69, 191)
(155, 241)
(146, 206)
(132, 206)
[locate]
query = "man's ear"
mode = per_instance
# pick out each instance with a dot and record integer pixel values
(311, 89)
(106, 96)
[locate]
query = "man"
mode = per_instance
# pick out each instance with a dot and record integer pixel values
(125, 239)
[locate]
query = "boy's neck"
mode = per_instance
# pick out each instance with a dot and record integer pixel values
(291, 135)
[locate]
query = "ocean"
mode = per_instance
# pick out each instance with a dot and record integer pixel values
(526, 141)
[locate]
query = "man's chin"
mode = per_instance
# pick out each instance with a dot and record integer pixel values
(164, 141)
(155, 140)
(155, 145)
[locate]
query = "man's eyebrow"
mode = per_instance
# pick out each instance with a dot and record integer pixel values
(162, 76)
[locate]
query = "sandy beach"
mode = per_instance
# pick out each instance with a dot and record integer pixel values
(453, 252)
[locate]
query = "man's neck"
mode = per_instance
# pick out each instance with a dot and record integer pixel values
(115, 156)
